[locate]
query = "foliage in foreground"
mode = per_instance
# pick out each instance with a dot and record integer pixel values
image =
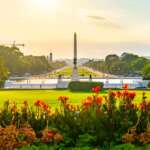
(103, 122)
(118, 147)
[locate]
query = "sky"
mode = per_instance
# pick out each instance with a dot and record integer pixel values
(103, 26)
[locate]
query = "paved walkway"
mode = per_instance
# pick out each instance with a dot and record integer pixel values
(101, 74)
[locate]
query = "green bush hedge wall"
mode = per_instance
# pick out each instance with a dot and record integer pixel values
(77, 86)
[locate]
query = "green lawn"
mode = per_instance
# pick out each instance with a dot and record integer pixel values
(49, 96)
(67, 72)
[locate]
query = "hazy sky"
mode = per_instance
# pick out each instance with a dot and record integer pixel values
(103, 26)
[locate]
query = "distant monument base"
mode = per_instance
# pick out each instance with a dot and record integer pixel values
(75, 76)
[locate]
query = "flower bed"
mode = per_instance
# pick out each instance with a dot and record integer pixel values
(99, 122)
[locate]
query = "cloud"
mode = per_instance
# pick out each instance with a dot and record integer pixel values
(96, 17)
(103, 21)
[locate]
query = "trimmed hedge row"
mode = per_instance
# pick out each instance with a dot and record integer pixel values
(77, 86)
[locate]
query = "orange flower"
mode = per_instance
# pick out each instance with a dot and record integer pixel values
(132, 95)
(67, 106)
(63, 99)
(45, 106)
(99, 100)
(96, 89)
(125, 87)
(88, 102)
(90, 98)
(119, 94)
(38, 103)
(113, 94)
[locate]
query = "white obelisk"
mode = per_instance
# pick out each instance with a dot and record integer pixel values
(75, 76)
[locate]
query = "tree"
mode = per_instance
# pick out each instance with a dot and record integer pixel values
(97, 65)
(19, 65)
(12, 58)
(126, 65)
(110, 60)
(138, 64)
(120, 68)
(3, 73)
(128, 57)
(146, 71)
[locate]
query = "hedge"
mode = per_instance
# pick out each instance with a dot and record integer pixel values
(148, 85)
(77, 86)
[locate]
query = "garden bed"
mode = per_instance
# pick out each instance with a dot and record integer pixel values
(110, 122)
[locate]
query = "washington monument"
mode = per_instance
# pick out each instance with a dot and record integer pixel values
(75, 76)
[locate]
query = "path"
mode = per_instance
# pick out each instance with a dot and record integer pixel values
(101, 74)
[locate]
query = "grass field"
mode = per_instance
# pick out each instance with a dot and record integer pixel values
(67, 72)
(50, 96)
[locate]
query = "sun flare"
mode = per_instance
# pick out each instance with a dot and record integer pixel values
(46, 4)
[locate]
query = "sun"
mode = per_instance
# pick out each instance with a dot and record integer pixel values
(46, 4)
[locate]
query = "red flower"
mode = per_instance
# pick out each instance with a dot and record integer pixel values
(50, 134)
(96, 89)
(132, 95)
(143, 107)
(63, 99)
(45, 106)
(99, 100)
(113, 94)
(38, 103)
(125, 87)
(119, 94)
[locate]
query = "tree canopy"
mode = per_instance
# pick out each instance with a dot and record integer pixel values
(3, 73)
(126, 65)
(18, 64)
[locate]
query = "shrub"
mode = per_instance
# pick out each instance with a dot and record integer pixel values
(11, 137)
(125, 147)
(76, 86)
(101, 121)
(148, 85)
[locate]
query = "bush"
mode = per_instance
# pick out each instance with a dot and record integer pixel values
(77, 86)
(11, 137)
(148, 85)
(101, 122)
(125, 147)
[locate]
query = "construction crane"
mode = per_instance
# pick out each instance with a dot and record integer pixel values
(14, 44)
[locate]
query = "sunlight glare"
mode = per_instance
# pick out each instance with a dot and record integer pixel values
(46, 4)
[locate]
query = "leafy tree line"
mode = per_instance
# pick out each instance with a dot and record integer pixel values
(18, 64)
(3, 73)
(126, 65)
